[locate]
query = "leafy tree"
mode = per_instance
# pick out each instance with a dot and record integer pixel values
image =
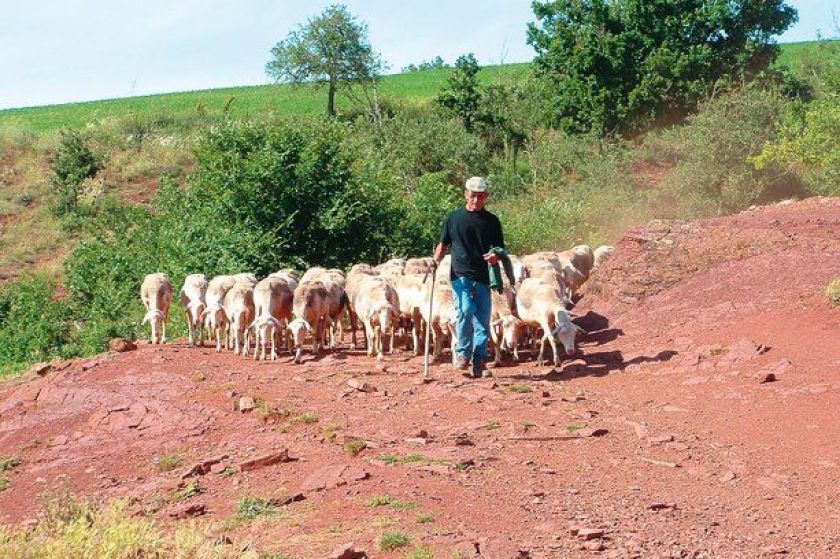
(617, 65)
(74, 162)
(436, 63)
(461, 94)
(809, 132)
(331, 48)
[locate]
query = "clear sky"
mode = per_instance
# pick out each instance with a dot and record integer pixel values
(58, 51)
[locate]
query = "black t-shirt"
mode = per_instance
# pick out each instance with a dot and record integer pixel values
(471, 235)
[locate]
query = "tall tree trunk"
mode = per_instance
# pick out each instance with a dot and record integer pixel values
(331, 98)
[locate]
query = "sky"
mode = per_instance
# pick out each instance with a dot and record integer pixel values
(59, 51)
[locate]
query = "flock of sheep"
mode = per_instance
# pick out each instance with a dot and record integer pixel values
(390, 299)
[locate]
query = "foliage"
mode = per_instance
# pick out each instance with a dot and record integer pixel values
(415, 145)
(391, 540)
(716, 181)
(186, 112)
(331, 48)
(509, 111)
(168, 462)
(832, 291)
(78, 529)
(9, 463)
(616, 66)
(249, 508)
(461, 94)
(34, 324)
(74, 162)
(808, 133)
(389, 501)
(436, 63)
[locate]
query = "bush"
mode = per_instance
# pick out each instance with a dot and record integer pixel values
(35, 325)
(411, 146)
(74, 162)
(713, 173)
(71, 528)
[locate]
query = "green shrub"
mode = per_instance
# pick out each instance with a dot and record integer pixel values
(74, 162)
(35, 325)
(389, 541)
(713, 173)
(833, 291)
(249, 508)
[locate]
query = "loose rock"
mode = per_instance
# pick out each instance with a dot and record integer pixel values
(121, 345)
(263, 461)
(186, 510)
(346, 551)
(245, 404)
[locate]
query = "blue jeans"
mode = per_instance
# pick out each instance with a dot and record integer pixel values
(472, 305)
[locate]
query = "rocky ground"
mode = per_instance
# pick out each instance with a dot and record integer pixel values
(700, 420)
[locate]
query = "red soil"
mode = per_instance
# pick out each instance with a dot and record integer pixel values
(699, 458)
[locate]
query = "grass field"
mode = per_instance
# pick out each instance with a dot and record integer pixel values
(245, 101)
(409, 88)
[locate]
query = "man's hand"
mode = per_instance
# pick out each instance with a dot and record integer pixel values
(491, 258)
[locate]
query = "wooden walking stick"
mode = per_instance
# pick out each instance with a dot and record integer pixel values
(429, 322)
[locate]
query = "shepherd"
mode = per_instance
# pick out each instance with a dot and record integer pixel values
(474, 237)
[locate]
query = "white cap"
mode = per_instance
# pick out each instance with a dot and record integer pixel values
(477, 184)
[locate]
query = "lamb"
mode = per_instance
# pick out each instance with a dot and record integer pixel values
(417, 266)
(410, 292)
(504, 324)
(335, 281)
(215, 319)
(272, 306)
(602, 254)
(376, 302)
(358, 274)
(547, 266)
(576, 264)
(540, 304)
(520, 271)
(443, 317)
(239, 308)
(156, 295)
(310, 305)
(193, 299)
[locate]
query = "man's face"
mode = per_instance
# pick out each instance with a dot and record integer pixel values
(475, 200)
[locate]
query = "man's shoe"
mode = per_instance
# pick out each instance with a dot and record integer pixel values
(478, 368)
(459, 362)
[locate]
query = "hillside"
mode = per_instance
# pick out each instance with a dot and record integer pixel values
(253, 101)
(666, 436)
(245, 102)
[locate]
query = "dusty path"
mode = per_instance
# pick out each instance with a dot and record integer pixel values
(661, 437)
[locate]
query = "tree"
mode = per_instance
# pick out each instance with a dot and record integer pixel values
(74, 162)
(461, 94)
(330, 49)
(618, 65)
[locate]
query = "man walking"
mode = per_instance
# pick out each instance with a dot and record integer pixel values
(471, 232)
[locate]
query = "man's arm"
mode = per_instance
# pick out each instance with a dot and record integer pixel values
(440, 251)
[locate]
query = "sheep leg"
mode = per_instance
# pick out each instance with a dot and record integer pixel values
(352, 328)
(416, 327)
(437, 334)
(553, 342)
(273, 347)
(540, 356)
(190, 328)
(379, 336)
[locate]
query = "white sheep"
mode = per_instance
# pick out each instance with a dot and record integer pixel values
(156, 295)
(193, 299)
